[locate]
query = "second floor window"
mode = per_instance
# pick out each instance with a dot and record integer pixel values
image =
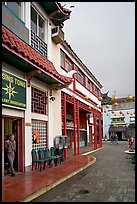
(65, 62)
(80, 77)
(89, 85)
(15, 7)
(62, 59)
(68, 64)
(96, 92)
(37, 23)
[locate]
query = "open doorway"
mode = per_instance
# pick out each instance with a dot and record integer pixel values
(15, 125)
(119, 134)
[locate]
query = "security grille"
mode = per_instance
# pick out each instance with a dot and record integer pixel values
(42, 127)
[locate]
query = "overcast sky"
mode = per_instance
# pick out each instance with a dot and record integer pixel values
(102, 34)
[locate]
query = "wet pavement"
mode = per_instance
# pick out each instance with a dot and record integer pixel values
(29, 185)
(111, 177)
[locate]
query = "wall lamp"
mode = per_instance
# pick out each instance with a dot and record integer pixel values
(52, 98)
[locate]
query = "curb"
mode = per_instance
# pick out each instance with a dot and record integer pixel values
(45, 189)
(93, 151)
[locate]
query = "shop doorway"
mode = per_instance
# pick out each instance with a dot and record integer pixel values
(119, 134)
(14, 125)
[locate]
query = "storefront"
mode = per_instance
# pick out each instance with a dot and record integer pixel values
(80, 123)
(13, 110)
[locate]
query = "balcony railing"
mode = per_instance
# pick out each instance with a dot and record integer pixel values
(38, 44)
(14, 24)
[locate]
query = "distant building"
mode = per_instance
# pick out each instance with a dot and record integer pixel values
(119, 118)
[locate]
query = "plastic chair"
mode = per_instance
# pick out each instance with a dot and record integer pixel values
(47, 156)
(35, 160)
(55, 157)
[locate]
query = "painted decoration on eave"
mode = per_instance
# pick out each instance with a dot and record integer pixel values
(13, 90)
(86, 98)
(100, 98)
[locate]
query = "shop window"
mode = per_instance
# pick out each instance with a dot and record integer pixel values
(38, 101)
(39, 129)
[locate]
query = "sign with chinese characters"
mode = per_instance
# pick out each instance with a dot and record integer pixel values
(13, 23)
(13, 90)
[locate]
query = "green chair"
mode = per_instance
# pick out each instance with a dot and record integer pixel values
(55, 157)
(36, 160)
(47, 156)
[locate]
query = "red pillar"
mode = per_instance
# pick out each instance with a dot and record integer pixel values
(95, 132)
(100, 131)
(65, 131)
(78, 127)
(75, 127)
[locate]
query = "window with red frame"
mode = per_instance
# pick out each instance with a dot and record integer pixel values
(89, 85)
(65, 62)
(96, 91)
(80, 76)
(68, 64)
(38, 101)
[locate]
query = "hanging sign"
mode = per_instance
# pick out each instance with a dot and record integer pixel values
(13, 90)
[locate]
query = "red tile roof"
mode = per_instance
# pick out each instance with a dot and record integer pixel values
(28, 53)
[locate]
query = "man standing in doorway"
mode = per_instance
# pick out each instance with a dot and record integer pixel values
(10, 148)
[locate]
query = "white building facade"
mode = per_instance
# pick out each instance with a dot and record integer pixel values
(34, 85)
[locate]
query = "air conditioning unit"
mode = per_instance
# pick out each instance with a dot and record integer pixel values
(57, 35)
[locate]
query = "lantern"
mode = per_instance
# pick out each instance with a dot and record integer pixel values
(105, 111)
(107, 106)
(129, 97)
(100, 98)
(127, 112)
(114, 98)
(123, 114)
(115, 114)
(115, 104)
(120, 112)
(131, 113)
(86, 98)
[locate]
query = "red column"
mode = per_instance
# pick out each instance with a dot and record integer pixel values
(95, 132)
(75, 127)
(65, 131)
(78, 127)
(100, 131)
